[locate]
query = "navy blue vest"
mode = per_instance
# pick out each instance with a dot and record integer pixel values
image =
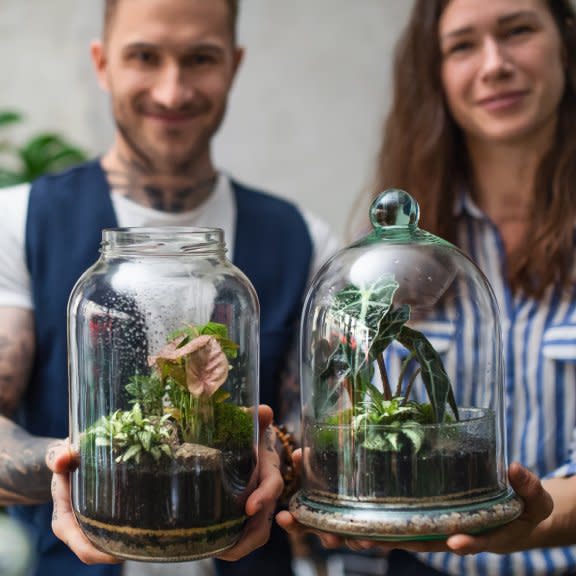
(66, 215)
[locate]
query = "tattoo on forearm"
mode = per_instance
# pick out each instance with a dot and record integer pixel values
(24, 476)
(269, 438)
(16, 350)
(55, 508)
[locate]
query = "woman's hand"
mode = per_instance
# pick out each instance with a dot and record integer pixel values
(261, 503)
(515, 536)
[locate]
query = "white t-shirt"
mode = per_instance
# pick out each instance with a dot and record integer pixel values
(219, 211)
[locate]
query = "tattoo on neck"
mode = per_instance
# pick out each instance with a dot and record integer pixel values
(140, 184)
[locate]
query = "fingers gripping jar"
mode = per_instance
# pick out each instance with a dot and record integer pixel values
(163, 372)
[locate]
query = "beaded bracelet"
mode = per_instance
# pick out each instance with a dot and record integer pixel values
(287, 444)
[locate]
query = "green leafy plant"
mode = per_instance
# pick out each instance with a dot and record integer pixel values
(42, 153)
(368, 323)
(131, 435)
(180, 401)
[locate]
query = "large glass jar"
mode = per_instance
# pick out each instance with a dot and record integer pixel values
(402, 388)
(163, 370)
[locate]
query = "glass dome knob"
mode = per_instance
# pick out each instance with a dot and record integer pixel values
(394, 207)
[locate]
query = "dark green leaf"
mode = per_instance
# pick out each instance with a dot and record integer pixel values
(365, 306)
(10, 178)
(214, 329)
(48, 153)
(9, 117)
(357, 313)
(389, 328)
(434, 376)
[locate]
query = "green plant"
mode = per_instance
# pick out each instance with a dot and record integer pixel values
(180, 401)
(131, 435)
(368, 323)
(42, 153)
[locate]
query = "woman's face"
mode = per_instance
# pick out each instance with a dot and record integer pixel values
(502, 67)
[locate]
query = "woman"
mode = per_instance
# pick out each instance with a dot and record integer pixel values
(482, 132)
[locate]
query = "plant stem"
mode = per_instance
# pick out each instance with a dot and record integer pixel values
(410, 384)
(199, 419)
(402, 374)
(384, 375)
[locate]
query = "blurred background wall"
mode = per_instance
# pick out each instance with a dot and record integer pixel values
(305, 115)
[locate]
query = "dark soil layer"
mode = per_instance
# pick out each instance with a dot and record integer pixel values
(406, 475)
(171, 510)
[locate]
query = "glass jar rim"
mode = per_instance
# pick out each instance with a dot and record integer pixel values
(163, 240)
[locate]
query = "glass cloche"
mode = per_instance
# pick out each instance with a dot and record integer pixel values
(402, 388)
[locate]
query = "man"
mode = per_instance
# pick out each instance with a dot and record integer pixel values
(168, 66)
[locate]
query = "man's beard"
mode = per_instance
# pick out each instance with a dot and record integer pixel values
(147, 157)
(149, 161)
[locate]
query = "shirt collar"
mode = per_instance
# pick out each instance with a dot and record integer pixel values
(465, 206)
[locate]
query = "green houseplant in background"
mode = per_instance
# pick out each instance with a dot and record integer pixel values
(41, 153)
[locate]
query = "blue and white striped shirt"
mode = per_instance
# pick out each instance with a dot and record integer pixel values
(539, 338)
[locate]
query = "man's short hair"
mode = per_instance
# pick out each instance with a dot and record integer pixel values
(111, 5)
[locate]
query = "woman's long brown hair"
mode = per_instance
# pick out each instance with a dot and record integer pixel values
(423, 150)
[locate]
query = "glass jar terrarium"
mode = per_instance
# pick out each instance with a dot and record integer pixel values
(402, 389)
(163, 361)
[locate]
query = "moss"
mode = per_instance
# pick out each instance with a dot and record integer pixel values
(327, 435)
(233, 427)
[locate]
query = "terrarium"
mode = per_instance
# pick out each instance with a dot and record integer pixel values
(163, 365)
(402, 388)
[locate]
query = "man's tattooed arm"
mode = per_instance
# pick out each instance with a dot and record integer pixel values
(24, 476)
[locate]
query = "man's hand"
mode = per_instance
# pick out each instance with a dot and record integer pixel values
(515, 536)
(62, 460)
(261, 503)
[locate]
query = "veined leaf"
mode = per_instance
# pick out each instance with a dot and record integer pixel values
(415, 434)
(358, 313)
(132, 452)
(388, 329)
(365, 305)
(438, 385)
(137, 413)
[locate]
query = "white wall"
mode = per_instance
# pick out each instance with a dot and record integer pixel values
(306, 112)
